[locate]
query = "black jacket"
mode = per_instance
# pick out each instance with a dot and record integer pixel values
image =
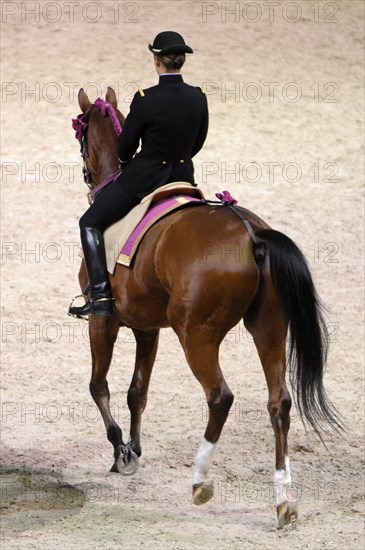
(171, 120)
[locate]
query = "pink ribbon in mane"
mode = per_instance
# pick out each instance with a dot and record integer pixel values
(108, 109)
(79, 126)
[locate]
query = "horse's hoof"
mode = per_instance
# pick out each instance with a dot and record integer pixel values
(127, 462)
(202, 492)
(287, 513)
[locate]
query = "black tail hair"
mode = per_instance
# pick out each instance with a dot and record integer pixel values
(308, 334)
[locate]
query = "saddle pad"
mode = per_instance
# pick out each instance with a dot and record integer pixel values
(123, 237)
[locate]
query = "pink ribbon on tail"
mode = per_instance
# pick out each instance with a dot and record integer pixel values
(79, 126)
(226, 197)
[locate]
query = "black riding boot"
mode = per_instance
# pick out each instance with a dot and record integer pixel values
(101, 298)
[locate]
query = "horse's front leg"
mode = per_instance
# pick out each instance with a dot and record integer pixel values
(103, 332)
(147, 343)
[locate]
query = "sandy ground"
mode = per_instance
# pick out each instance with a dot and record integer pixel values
(285, 90)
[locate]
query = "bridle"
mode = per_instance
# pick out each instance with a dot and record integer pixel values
(80, 125)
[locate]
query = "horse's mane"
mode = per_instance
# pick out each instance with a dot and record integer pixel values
(108, 109)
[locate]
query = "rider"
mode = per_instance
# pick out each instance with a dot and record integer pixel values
(171, 120)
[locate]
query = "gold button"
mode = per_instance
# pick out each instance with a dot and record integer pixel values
(182, 161)
(164, 162)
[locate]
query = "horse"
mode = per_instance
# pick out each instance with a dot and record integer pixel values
(186, 277)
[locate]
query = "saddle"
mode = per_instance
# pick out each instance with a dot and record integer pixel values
(123, 237)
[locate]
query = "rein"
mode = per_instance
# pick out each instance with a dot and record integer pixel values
(80, 125)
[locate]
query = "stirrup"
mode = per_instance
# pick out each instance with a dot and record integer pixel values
(91, 307)
(73, 314)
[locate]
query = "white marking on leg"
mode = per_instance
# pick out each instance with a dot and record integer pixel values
(282, 480)
(202, 461)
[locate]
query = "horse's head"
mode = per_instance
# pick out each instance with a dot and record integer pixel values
(97, 130)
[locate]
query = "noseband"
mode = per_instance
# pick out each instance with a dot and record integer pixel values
(80, 125)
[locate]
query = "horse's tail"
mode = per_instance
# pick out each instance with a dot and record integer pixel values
(308, 335)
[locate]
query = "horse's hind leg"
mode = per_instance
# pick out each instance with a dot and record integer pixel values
(269, 332)
(201, 350)
(103, 332)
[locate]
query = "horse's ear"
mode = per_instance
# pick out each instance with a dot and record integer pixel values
(111, 97)
(84, 101)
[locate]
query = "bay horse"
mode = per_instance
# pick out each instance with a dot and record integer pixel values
(201, 271)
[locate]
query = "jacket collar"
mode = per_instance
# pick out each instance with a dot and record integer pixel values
(171, 79)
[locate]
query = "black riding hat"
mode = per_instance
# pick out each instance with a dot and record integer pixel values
(169, 42)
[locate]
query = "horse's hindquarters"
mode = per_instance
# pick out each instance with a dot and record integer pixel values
(196, 263)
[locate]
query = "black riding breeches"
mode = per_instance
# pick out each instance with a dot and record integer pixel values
(110, 205)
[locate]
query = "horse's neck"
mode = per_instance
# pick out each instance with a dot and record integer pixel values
(108, 164)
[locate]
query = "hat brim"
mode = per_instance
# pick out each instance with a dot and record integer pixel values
(174, 48)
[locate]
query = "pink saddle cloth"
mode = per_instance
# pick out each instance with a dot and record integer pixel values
(122, 239)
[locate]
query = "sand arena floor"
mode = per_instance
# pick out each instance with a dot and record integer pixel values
(284, 82)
